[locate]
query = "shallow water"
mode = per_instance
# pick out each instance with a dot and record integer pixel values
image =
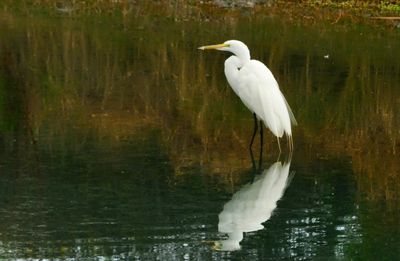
(120, 140)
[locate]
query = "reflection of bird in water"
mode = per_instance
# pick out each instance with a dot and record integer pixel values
(254, 83)
(252, 205)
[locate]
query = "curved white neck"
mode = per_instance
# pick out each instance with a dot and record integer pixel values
(232, 67)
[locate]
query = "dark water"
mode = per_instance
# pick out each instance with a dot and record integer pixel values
(120, 140)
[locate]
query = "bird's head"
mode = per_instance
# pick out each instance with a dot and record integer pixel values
(234, 46)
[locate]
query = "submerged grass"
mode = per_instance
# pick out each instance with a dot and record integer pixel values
(75, 81)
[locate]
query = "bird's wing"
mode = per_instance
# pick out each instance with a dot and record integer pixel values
(265, 98)
(291, 115)
(249, 93)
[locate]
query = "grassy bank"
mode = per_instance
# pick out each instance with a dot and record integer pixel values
(383, 12)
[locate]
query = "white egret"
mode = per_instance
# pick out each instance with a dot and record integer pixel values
(254, 83)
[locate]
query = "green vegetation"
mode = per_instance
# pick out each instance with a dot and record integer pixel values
(389, 6)
(330, 10)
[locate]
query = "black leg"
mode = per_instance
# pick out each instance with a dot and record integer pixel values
(254, 131)
(253, 163)
(261, 144)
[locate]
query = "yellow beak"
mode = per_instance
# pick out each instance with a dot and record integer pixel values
(213, 47)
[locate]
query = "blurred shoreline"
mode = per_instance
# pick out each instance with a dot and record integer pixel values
(375, 13)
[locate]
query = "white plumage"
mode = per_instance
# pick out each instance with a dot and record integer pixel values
(252, 205)
(254, 83)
